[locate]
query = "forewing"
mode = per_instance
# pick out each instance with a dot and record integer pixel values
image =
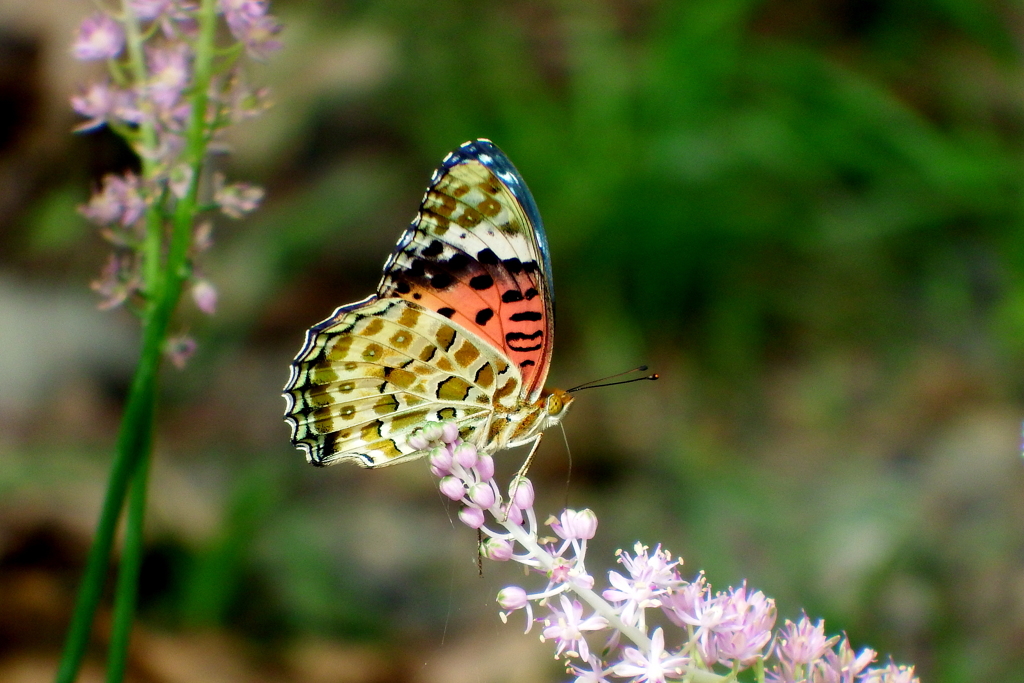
(374, 371)
(477, 254)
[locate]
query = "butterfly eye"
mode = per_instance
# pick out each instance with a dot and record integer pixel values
(554, 404)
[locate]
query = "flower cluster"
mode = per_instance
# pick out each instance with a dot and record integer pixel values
(169, 99)
(720, 634)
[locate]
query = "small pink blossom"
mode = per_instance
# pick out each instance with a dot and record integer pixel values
(179, 349)
(803, 642)
(99, 37)
(170, 70)
(204, 294)
(655, 667)
(118, 201)
(237, 199)
(595, 673)
(251, 25)
(119, 280)
(98, 103)
(566, 626)
(891, 674)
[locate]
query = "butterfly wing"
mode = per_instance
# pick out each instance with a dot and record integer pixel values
(374, 371)
(477, 254)
(461, 326)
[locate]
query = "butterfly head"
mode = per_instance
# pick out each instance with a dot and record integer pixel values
(556, 403)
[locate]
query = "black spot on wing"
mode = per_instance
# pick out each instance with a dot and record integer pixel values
(523, 316)
(446, 312)
(483, 315)
(487, 257)
(522, 336)
(513, 337)
(441, 280)
(512, 296)
(434, 249)
(530, 293)
(481, 282)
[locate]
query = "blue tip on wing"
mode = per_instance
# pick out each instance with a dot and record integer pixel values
(488, 154)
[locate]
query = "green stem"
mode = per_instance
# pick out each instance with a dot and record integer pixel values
(126, 593)
(164, 278)
(133, 439)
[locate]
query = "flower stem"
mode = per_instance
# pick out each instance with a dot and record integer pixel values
(134, 438)
(164, 279)
(590, 597)
(128, 574)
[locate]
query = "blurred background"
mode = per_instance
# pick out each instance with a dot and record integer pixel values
(807, 216)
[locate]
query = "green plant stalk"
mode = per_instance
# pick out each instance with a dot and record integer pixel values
(163, 291)
(126, 594)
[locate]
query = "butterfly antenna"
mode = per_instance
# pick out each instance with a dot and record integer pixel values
(593, 384)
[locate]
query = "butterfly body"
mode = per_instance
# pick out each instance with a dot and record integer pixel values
(460, 329)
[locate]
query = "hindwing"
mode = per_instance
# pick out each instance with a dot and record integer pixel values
(374, 371)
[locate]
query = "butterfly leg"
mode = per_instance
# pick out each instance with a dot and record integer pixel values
(522, 473)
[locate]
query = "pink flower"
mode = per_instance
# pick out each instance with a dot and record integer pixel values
(751, 621)
(566, 627)
(99, 37)
(891, 674)
(119, 279)
(204, 294)
(170, 70)
(572, 525)
(99, 103)
(655, 667)
(250, 24)
(236, 199)
(119, 201)
(594, 674)
(803, 642)
(682, 603)
(179, 349)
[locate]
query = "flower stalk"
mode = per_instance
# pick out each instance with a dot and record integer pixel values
(168, 93)
(723, 637)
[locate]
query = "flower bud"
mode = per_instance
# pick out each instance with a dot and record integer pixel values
(472, 517)
(418, 442)
(521, 490)
(431, 431)
(441, 459)
(485, 467)
(482, 494)
(452, 487)
(497, 549)
(449, 431)
(465, 455)
(585, 524)
(512, 598)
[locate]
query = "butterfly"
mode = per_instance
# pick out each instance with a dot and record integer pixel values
(460, 329)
